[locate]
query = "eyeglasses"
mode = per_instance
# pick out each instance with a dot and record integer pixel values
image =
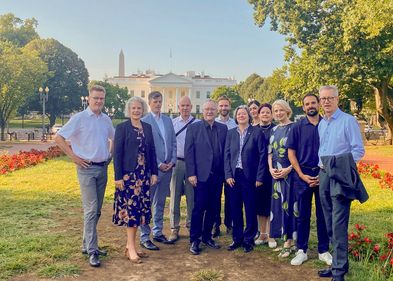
(97, 98)
(325, 99)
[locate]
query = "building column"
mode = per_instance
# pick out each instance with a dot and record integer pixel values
(163, 101)
(177, 98)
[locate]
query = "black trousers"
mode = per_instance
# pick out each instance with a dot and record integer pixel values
(336, 210)
(206, 197)
(243, 192)
(227, 208)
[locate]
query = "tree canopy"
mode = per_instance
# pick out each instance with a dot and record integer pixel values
(231, 93)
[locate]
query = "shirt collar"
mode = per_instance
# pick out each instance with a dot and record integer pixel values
(207, 125)
(245, 130)
(91, 113)
(335, 115)
(188, 120)
(307, 122)
(156, 116)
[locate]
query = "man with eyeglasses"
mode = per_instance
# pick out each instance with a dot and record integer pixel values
(341, 146)
(204, 150)
(91, 134)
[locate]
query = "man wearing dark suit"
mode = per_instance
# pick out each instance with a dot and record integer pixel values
(245, 170)
(204, 157)
(165, 147)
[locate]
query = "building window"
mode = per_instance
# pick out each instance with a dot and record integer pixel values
(142, 94)
(208, 94)
(198, 94)
(198, 109)
(131, 93)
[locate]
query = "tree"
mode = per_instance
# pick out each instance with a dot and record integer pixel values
(249, 87)
(18, 32)
(231, 93)
(115, 98)
(347, 43)
(67, 78)
(272, 87)
(20, 71)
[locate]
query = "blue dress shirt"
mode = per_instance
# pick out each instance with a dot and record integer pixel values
(340, 134)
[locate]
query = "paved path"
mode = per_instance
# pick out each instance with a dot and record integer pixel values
(13, 148)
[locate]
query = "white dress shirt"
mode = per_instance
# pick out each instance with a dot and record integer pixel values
(89, 135)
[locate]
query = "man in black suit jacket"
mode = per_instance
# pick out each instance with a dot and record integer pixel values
(204, 157)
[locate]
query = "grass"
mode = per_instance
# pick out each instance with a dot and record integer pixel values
(384, 150)
(37, 123)
(40, 214)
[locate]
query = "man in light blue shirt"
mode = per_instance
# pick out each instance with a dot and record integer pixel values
(90, 133)
(339, 135)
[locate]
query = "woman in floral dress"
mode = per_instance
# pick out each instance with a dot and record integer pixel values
(135, 170)
(282, 217)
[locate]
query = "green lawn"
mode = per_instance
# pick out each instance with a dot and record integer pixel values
(37, 123)
(39, 204)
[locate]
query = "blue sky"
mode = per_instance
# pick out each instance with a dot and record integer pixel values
(218, 37)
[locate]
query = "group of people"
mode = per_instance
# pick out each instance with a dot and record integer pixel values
(273, 170)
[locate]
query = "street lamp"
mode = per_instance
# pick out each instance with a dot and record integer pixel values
(44, 93)
(84, 101)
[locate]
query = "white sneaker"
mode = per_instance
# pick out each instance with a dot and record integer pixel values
(300, 258)
(326, 257)
(272, 244)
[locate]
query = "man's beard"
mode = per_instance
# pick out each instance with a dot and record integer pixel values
(312, 112)
(224, 113)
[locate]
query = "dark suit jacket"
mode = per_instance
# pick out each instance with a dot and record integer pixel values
(198, 152)
(125, 155)
(343, 174)
(253, 156)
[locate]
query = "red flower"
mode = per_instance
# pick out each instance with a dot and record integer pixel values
(367, 240)
(376, 248)
(391, 262)
(383, 257)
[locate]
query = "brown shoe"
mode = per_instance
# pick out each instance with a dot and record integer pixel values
(174, 236)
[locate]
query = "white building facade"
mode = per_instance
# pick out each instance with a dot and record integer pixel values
(171, 86)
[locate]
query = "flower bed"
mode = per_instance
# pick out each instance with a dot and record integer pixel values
(365, 250)
(24, 159)
(385, 178)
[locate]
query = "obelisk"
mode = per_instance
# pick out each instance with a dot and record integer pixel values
(121, 64)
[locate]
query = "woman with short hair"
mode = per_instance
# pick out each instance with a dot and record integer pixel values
(135, 171)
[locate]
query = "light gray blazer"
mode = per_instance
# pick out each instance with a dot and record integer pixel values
(159, 140)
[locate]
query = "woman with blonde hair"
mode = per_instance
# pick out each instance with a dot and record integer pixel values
(135, 171)
(282, 217)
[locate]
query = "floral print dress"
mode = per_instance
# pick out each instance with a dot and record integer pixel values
(283, 206)
(132, 203)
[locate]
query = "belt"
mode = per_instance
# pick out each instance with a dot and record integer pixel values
(179, 158)
(98, 163)
(310, 168)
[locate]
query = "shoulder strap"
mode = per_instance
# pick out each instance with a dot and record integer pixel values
(185, 126)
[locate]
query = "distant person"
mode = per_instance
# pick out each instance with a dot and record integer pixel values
(179, 183)
(245, 163)
(282, 220)
(204, 150)
(341, 146)
(135, 171)
(224, 109)
(253, 106)
(264, 193)
(165, 147)
(90, 133)
(303, 145)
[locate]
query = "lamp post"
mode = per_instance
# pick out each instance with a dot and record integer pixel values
(44, 93)
(84, 101)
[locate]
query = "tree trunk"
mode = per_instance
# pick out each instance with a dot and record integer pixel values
(384, 106)
(2, 132)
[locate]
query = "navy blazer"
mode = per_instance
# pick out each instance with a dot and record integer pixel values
(253, 156)
(198, 151)
(125, 154)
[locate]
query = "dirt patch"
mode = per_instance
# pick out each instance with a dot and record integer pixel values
(384, 162)
(174, 262)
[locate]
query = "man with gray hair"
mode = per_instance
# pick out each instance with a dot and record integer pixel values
(341, 146)
(90, 133)
(179, 183)
(204, 147)
(165, 145)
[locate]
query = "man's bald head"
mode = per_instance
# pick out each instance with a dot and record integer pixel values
(185, 107)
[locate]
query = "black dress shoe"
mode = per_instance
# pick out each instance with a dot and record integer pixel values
(149, 245)
(99, 252)
(162, 239)
(234, 246)
(247, 247)
(194, 249)
(216, 232)
(325, 272)
(212, 244)
(94, 260)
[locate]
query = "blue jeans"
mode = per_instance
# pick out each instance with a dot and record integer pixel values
(92, 181)
(158, 194)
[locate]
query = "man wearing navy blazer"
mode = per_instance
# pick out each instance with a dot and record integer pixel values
(204, 157)
(165, 146)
